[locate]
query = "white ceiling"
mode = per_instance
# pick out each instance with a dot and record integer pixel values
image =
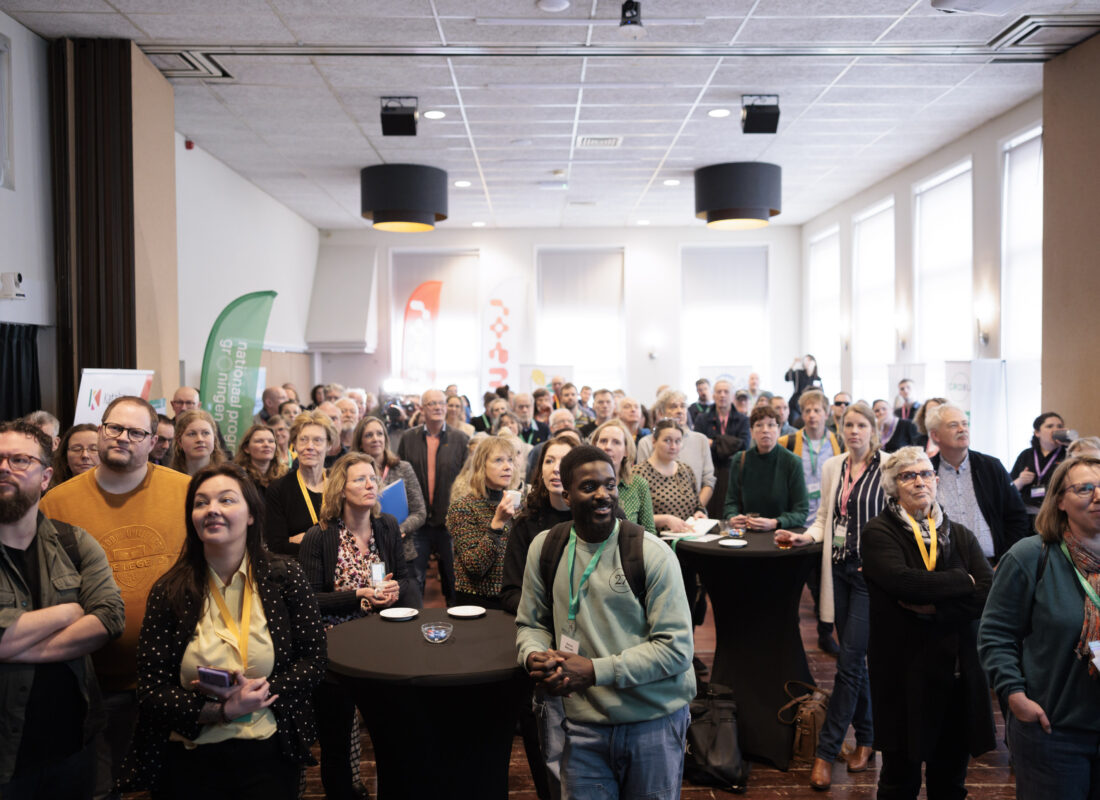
(866, 87)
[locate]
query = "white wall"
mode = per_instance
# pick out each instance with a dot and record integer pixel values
(651, 296)
(234, 239)
(26, 222)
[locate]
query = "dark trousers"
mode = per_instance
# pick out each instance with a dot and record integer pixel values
(436, 538)
(945, 767)
(121, 709)
(72, 778)
(241, 769)
(335, 712)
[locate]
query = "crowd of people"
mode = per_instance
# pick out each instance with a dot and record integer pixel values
(164, 602)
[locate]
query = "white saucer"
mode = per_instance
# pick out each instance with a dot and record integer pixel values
(466, 612)
(733, 542)
(398, 614)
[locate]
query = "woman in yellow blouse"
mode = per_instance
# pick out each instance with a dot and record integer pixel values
(230, 650)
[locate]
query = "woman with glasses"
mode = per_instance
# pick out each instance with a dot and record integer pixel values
(852, 495)
(294, 500)
(767, 488)
(1039, 636)
(355, 562)
(77, 453)
(927, 581)
(196, 442)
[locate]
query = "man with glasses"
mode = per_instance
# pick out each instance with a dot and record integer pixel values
(437, 454)
(184, 399)
(975, 489)
(841, 401)
(135, 510)
(61, 605)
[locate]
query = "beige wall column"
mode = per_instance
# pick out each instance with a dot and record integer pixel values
(156, 286)
(1071, 249)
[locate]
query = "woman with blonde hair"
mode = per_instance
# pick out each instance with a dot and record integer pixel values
(480, 522)
(257, 455)
(355, 562)
(614, 438)
(851, 496)
(196, 443)
(294, 500)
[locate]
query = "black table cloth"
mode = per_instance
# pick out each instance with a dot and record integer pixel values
(755, 593)
(441, 716)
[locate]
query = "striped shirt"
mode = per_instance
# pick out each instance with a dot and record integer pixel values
(865, 503)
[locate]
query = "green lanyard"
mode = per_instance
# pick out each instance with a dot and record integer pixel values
(575, 599)
(1081, 578)
(813, 455)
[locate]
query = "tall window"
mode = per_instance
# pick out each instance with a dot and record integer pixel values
(1022, 247)
(6, 111)
(580, 313)
(943, 263)
(723, 284)
(873, 313)
(823, 308)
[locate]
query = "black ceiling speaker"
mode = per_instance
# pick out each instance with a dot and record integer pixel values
(399, 116)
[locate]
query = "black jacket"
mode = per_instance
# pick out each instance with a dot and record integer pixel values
(448, 463)
(524, 530)
(905, 434)
(294, 622)
(318, 559)
(998, 500)
(736, 438)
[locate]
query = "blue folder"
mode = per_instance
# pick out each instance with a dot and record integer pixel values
(393, 500)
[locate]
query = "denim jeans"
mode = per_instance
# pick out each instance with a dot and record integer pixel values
(431, 538)
(550, 716)
(1063, 764)
(631, 761)
(851, 700)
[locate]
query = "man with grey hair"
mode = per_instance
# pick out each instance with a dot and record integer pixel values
(531, 430)
(273, 397)
(695, 449)
(436, 454)
(975, 489)
(603, 405)
(47, 423)
(334, 391)
(727, 430)
(349, 418)
(561, 419)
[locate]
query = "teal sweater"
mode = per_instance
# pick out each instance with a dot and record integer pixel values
(1028, 635)
(641, 656)
(771, 485)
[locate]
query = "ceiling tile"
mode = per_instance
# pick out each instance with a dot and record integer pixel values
(209, 28)
(54, 26)
(813, 30)
(356, 30)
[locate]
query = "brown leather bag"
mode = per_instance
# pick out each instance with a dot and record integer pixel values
(806, 711)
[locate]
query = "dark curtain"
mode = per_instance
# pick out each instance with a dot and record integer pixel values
(20, 391)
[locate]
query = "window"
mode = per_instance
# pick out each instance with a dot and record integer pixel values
(1022, 248)
(6, 123)
(580, 314)
(823, 308)
(943, 266)
(873, 312)
(720, 285)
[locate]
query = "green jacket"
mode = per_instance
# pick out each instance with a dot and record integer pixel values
(93, 587)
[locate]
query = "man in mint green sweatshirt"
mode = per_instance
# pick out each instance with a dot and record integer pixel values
(621, 663)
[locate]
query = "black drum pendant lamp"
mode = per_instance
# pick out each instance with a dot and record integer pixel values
(738, 196)
(403, 198)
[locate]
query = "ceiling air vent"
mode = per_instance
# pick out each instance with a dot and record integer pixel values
(598, 142)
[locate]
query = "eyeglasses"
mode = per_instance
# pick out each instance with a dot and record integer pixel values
(841, 403)
(135, 435)
(925, 475)
(81, 449)
(433, 404)
(1083, 490)
(19, 462)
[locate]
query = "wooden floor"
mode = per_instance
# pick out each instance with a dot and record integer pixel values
(989, 778)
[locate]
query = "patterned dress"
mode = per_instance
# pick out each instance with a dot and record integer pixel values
(352, 572)
(672, 494)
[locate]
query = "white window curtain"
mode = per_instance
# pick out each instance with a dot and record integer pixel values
(1022, 248)
(823, 308)
(580, 314)
(724, 299)
(943, 261)
(873, 312)
(6, 111)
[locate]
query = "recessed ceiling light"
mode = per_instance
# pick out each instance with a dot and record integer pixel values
(462, 184)
(718, 113)
(552, 5)
(643, 222)
(434, 114)
(672, 182)
(478, 224)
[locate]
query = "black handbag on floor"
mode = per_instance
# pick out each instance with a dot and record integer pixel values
(713, 756)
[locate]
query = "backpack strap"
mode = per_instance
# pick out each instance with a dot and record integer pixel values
(550, 557)
(631, 546)
(67, 536)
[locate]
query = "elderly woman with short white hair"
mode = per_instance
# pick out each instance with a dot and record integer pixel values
(694, 449)
(927, 580)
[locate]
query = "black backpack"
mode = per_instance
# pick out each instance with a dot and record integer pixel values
(631, 537)
(713, 755)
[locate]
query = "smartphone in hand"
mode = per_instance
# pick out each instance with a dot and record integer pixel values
(213, 676)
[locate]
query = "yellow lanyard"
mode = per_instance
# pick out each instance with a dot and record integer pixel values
(929, 560)
(240, 632)
(306, 497)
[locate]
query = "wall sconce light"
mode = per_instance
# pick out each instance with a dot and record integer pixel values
(983, 336)
(983, 311)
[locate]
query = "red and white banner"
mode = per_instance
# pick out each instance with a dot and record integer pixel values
(501, 335)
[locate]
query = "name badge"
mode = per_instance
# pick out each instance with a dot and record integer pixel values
(377, 572)
(569, 645)
(815, 494)
(1038, 491)
(1094, 648)
(840, 534)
